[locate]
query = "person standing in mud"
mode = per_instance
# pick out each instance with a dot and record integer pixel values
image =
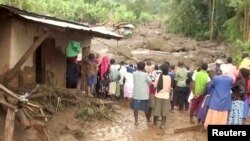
(92, 73)
(220, 101)
(236, 114)
(123, 71)
(163, 88)
(102, 86)
(171, 73)
(115, 76)
(140, 98)
(72, 72)
(180, 88)
(153, 76)
(200, 82)
(129, 84)
(188, 87)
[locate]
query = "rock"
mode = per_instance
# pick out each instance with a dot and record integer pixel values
(156, 43)
(179, 48)
(167, 48)
(67, 137)
(123, 49)
(139, 44)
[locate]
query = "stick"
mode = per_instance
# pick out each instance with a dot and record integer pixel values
(29, 108)
(33, 105)
(9, 125)
(41, 110)
(8, 105)
(27, 113)
(9, 92)
(186, 129)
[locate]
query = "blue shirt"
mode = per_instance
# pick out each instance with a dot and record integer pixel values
(221, 95)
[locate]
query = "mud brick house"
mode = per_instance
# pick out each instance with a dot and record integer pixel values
(37, 45)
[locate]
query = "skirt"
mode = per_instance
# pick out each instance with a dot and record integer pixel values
(160, 107)
(202, 112)
(128, 90)
(112, 88)
(196, 103)
(216, 118)
(141, 105)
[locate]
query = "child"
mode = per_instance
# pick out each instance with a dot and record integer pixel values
(236, 114)
(129, 84)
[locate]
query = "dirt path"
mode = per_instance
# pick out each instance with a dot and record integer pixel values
(123, 129)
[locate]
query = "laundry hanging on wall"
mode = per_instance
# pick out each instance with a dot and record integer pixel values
(73, 49)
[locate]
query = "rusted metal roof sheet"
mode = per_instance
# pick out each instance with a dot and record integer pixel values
(61, 23)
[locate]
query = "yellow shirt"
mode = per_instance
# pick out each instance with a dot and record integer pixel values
(245, 63)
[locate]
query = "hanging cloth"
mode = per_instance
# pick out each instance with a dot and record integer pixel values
(73, 49)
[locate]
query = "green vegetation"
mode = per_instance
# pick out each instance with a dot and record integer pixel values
(201, 19)
(91, 11)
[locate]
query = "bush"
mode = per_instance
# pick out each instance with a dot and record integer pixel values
(232, 29)
(145, 17)
(185, 19)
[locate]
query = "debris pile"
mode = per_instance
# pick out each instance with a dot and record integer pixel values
(33, 108)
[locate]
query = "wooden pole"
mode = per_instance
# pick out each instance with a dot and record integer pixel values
(12, 73)
(85, 52)
(9, 125)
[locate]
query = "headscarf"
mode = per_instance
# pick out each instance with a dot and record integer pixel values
(104, 66)
(130, 69)
(224, 69)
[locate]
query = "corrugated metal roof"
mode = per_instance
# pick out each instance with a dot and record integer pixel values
(61, 23)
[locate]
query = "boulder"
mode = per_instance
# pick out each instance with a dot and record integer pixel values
(124, 49)
(156, 43)
(167, 48)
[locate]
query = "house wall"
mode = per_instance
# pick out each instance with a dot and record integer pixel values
(5, 28)
(23, 33)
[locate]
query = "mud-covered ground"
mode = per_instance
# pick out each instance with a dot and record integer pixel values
(150, 42)
(64, 126)
(123, 129)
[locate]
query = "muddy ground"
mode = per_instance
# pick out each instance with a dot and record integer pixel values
(64, 126)
(150, 42)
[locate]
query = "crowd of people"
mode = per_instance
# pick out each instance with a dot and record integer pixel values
(214, 95)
